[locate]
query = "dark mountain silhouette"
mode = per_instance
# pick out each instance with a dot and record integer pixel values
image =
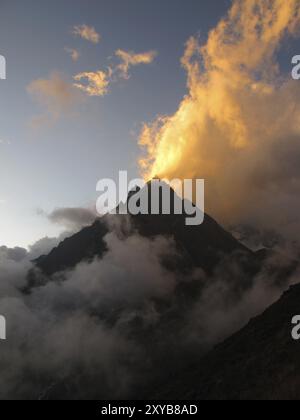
(257, 362)
(260, 362)
(202, 246)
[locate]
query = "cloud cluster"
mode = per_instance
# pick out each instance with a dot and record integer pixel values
(74, 331)
(87, 33)
(98, 82)
(238, 126)
(117, 327)
(58, 96)
(221, 310)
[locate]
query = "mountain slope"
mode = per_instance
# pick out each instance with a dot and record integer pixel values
(84, 245)
(259, 362)
(202, 246)
(244, 366)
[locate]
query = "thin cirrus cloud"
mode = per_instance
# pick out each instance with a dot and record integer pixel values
(73, 53)
(130, 59)
(87, 33)
(55, 95)
(97, 83)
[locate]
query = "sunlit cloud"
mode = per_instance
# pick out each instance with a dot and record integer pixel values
(86, 32)
(55, 95)
(131, 59)
(239, 125)
(73, 53)
(97, 83)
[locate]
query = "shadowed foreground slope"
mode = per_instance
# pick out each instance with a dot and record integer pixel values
(261, 361)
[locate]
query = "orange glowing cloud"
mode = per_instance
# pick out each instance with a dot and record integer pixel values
(239, 125)
(97, 83)
(55, 95)
(130, 59)
(87, 33)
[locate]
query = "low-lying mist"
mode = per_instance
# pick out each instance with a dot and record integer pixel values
(118, 327)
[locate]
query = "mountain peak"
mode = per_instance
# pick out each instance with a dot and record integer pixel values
(202, 246)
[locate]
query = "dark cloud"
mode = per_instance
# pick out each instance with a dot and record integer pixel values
(112, 328)
(73, 217)
(15, 254)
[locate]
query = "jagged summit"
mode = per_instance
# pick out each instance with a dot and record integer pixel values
(202, 246)
(222, 372)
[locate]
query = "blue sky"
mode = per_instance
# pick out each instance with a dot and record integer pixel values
(59, 164)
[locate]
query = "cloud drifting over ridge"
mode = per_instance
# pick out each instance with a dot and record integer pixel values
(64, 320)
(73, 217)
(104, 328)
(239, 125)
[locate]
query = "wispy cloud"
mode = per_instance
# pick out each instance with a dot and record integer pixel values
(86, 32)
(74, 54)
(55, 95)
(131, 59)
(98, 82)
